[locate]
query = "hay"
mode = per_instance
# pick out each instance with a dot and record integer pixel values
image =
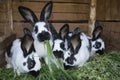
(105, 67)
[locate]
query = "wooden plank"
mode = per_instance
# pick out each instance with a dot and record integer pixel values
(2, 29)
(3, 17)
(18, 27)
(118, 8)
(57, 7)
(83, 27)
(3, 6)
(56, 16)
(107, 9)
(100, 12)
(114, 9)
(65, 1)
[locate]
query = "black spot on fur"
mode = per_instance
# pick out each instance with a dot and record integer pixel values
(90, 45)
(71, 59)
(24, 63)
(34, 73)
(36, 29)
(58, 54)
(43, 36)
(62, 45)
(67, 67)
(100, 52)
(9, 53)
(31, 63)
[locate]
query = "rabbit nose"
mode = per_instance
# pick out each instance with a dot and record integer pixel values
(43, 36)
(100, 52)
(58, 54)
(34, 73)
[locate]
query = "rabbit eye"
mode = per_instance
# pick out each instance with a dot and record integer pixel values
(62, 45)
(97, 45)
(36, 29)
(24, 63)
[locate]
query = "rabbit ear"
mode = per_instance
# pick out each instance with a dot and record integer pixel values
(27, 42)
(53, 31)
(46, 11)
(28, 14)
(64, 31)
(27, 31)
(97, 31)
(75, 42)
(76, 31)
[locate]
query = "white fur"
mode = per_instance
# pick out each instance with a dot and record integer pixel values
(17, 59)
(57, 45)
(83, 54)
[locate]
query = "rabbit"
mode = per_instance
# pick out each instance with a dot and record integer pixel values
(78, 52)
(41, 31)
(96, 42)
(92, 45)
(59, 40)
(21, 55)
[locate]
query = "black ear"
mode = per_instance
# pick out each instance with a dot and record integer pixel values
(63, 32)
(27, 31)
(53, 31)
(46, 11)
(75, 42)
(76, 31)
(97, 31)
(28, 14)
(27, 42)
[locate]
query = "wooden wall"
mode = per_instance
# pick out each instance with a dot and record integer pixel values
(5, 19)
(74, 12)
(108, 13)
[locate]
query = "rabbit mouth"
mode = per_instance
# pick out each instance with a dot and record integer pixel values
(100, 52)
(43, 36)
(34, 73)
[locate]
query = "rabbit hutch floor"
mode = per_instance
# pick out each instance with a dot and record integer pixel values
(105, 67)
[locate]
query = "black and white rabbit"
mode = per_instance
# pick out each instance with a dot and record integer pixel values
(21, 55)
(78, 51)
(96, 42)
(75, 56)
(41, 30)
(59, 40)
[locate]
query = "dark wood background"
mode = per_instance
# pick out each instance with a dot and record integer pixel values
(73, 12)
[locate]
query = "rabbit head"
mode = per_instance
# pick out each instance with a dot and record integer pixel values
(59, 40)
(97, 44)
(40, 27)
